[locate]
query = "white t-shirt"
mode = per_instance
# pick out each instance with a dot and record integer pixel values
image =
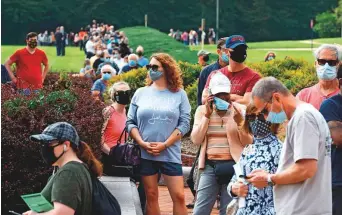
(307, 137)
(120, 62)
(90, 47)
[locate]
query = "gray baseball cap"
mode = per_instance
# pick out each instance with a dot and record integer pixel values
(202, 52)
(61, 131)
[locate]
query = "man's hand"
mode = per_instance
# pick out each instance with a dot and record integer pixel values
(258, 178)
(157, 148)
(209, 106)
(14, 80)
(240, 189)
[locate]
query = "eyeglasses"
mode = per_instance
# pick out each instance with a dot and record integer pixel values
(152, 66)
(107, 72)
(322, 62)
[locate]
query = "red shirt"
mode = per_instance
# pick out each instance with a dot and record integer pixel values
(29, 68)
(115, 126)
(242, 81)
(314, 96)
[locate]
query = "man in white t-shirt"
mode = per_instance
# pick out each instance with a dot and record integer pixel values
(303, 179)
(90, 47)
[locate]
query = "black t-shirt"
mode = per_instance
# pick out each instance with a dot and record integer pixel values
(97, 62)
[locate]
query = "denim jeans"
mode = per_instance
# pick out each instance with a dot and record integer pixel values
(207, 192)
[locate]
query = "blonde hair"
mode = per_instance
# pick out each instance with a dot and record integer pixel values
(114, 89)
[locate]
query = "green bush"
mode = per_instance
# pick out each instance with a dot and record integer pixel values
(190, 72)
(294, 73)
(191, 91)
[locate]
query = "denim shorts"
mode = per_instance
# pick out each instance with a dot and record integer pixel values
(149, 167)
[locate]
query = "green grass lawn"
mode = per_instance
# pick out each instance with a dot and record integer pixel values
(154, 41)
(72, 62)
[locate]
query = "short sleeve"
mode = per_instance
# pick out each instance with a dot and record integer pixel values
(305, 137)
(329, 110)
(44, 58)
(15, 56)
(252, 82)
(208, 80)
(96, 86)
(66, 189)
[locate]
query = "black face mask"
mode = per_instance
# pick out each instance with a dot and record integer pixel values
(122, 97)
(239, 54)
(140, 54)
(260, 128)
(32, 44)
(48, 154)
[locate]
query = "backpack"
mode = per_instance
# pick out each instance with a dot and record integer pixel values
(104, 203)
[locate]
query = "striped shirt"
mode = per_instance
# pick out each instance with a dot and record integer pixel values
(218, 146)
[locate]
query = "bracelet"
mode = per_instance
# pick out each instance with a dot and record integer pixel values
(165, 145)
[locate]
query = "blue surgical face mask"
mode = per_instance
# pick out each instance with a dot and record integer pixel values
(225, 57)
(221, 104)
(132, 63)
(276, 118)
(155, 75)
(106, 77)
(327, 72)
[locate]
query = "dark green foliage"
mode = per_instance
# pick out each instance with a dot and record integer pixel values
(258, 20)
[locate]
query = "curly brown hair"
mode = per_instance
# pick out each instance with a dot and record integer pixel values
(172, 72)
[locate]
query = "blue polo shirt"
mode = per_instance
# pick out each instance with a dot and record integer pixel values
(331, 109)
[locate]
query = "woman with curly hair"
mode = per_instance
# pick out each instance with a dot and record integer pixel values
(159, 115)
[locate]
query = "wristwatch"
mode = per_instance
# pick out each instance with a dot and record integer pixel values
(269, 180)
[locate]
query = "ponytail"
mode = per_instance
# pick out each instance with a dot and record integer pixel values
(85, 154)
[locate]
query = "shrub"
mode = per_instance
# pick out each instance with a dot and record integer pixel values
(190, 72)
(294, 73)
(23, 170)
(191, 91)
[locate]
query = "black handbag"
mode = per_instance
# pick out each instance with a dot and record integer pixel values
(127, 153)
(223, 170)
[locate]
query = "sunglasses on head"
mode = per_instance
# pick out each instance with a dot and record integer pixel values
(322, 62)
(152, 66)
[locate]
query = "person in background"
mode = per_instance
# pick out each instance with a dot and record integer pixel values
(211, 36)
(118, 59)
(178, 35)
(30, 75)
(158, 117)
(328, 58)
(203, 57)
(52, 39)
(58, 36)
(41, 39)
(303, 178)
(90, 47)
(270, 56)
(100, 85)
(185, 38)
(222, 62)
(81, 35)
(242, 78)
(191, 37)
(46, 38)
(70, 188)
(123, 38)
(142, 61)
(76, 40)
(171, 34)
(331, 109)
(132, 63)
(87, 70)
(102, 57)
(262, 152)
(99, 54)
(210, 132)
(64, 40)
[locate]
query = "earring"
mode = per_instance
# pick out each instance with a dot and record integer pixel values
(64, 147)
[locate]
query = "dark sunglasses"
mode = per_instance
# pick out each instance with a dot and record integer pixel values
(253, 117)
(152, 66)
(107, 72)
(322, 62)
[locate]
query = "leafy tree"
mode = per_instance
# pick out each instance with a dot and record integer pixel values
(326, 25)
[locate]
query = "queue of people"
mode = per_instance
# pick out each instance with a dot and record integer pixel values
(236, 122)
(194, 37)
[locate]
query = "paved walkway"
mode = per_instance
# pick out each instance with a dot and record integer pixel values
(165, 201)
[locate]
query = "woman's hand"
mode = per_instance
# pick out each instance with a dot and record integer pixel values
(157, 148)
(30, 213)
(147, 146)
(240, 189)
(209, 106)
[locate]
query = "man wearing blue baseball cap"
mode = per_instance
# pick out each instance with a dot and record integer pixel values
(241, 77)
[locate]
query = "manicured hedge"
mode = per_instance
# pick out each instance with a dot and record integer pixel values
(63, 99)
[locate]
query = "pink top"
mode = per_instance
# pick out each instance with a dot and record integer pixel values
(314, 96)
(114, 128)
